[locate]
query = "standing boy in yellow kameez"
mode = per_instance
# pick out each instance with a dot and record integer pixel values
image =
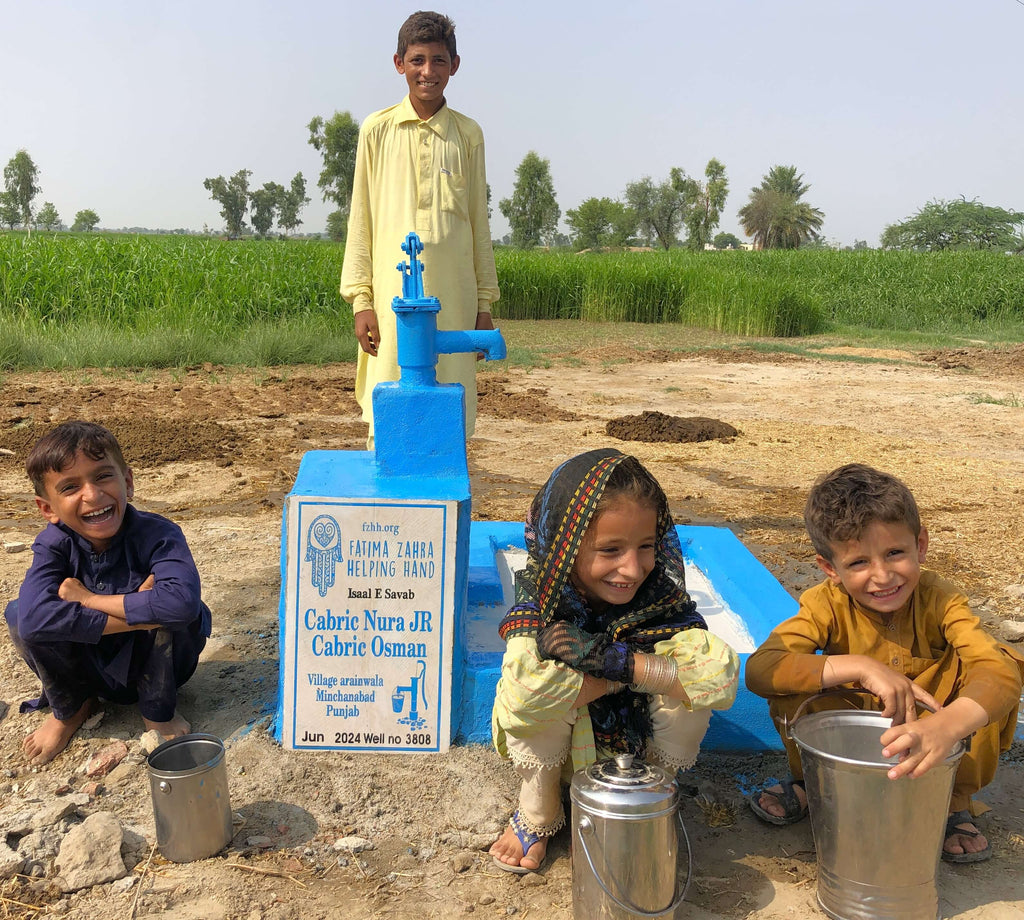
(419, 167)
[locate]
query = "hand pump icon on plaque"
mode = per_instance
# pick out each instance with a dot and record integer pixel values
(414, 690)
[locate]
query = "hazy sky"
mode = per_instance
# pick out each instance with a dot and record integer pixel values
(883, 105)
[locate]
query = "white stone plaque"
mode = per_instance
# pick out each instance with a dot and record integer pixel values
(368, 618)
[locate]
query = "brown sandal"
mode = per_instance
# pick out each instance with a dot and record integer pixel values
(953, 829)
(793, 810)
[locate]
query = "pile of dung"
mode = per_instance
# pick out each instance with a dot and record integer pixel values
(656, 426)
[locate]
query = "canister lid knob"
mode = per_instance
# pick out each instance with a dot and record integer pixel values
(624, 761)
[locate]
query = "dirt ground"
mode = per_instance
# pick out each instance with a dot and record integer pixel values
(217, 450)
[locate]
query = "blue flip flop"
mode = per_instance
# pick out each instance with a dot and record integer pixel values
(526, 840)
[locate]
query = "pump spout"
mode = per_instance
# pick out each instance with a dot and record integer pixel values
(487, 341)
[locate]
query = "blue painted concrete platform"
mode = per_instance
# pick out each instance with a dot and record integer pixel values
(745, 602)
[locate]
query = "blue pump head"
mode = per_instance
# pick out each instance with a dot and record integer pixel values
(412, 277)
(419, 340)
(420, 424)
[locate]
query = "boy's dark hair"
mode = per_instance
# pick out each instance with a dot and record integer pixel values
(631, 480)
(843, 503)
(425, 27)
(56, 450)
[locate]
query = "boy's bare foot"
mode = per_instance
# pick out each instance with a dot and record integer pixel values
(47, 741)
(508, 850)
(175, 728)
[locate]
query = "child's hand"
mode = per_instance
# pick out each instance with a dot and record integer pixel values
(594, 688)
(483, 321)
(367, 331)
(898, 693)
(919, 746)
(927, 742)
(72, 590)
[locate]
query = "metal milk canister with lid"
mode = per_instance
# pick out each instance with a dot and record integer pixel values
(626, 832)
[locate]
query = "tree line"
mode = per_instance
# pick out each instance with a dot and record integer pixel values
(650, 213)
(21, 187)
(776, 216)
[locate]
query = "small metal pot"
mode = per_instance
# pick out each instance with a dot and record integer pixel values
(626, 832)
(188, 782)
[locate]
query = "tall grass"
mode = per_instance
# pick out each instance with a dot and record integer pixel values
(770, 293)
(648, 287)
(145, 281)
(72, 300)
(67, 300)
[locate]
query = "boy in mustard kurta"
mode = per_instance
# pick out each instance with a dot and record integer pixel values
(881, 623)
(419, 167)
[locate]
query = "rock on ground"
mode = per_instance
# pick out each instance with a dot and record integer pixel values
(11, 862)
(91, 853)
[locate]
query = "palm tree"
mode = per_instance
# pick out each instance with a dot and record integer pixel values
(775, 216)
(785, 180)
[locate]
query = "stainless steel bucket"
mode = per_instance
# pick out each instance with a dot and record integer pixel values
(878, 840)
(626, 830)
(189, 784)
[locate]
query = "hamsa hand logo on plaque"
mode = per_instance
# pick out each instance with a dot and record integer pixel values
(323, 550)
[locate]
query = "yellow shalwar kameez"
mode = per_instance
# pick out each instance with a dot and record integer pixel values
(425, 176)
(934, 640)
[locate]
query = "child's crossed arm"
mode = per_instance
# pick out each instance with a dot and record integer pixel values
(72, 590)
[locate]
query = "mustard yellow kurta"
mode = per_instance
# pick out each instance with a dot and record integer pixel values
(935, 640)
(428, 177)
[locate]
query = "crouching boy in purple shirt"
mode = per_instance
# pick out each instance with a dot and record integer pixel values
(110, 607)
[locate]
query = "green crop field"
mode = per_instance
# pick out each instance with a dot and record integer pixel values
(69, 300)
(778, 293)
(76, 300)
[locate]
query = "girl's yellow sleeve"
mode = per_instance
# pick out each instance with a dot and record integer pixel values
(708, 667)
(533, 691)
